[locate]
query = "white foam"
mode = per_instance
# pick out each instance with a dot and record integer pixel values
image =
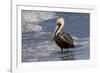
(31, 19)
(37, 16)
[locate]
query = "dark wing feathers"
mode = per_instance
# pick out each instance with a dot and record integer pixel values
(67, 38)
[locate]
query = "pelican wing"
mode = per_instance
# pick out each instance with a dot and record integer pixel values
(67, 38)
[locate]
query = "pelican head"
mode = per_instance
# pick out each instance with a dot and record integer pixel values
(59, 26)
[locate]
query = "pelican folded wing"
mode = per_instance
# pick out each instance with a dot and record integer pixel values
(67, 38)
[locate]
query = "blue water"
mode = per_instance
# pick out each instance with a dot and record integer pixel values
(37, 45)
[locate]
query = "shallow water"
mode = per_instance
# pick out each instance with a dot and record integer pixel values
(41, 48)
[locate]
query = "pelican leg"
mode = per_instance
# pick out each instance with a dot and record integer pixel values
(61, 50)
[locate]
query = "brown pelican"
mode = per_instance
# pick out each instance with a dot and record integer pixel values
(62, 39)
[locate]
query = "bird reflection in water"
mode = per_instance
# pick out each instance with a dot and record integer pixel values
(67, 55)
